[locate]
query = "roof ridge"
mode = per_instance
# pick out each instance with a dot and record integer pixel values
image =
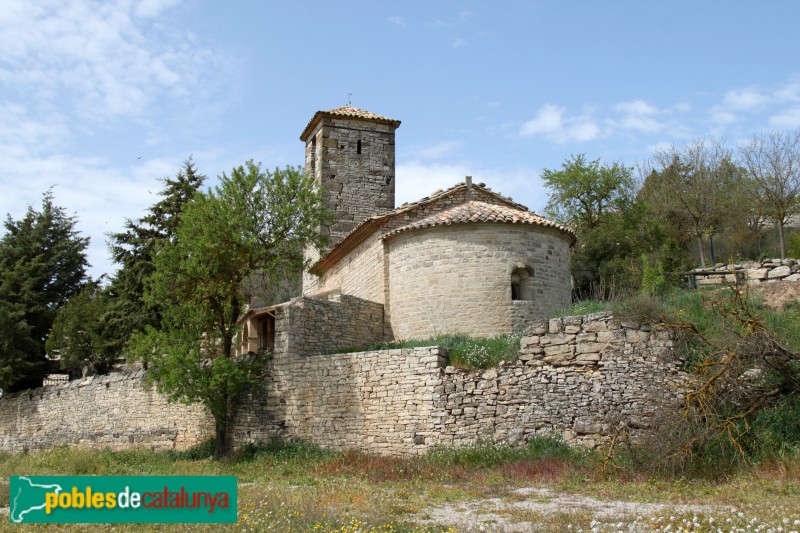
(481, 211)
(376, 221)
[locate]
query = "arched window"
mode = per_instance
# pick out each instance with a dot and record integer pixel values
(522, 283)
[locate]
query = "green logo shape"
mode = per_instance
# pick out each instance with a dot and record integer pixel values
(123, 499)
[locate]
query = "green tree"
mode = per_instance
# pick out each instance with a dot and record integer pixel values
(691, 190)
(582, 193)
(597, 200)
(77, 338)
(42, 265)
(772, 161)
(133, 249)
(254, 222)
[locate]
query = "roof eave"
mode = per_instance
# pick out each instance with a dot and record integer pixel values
(319, 115)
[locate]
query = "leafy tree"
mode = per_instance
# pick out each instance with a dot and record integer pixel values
(77, 337)
(42, 265)
(692, 189)
(772, 161)
(582, 192)
(254, 222)
(598, 201)
(133, 249)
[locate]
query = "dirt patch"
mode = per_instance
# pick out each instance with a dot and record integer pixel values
(779, 293)
(529, 509)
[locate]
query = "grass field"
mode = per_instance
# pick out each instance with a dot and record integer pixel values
(544, 487)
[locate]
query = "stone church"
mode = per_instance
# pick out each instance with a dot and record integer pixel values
(462, 260)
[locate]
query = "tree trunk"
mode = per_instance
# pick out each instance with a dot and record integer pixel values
(702, 252)
(220, 437)
(782, 238)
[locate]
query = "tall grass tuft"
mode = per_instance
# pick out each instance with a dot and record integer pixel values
(464, 351)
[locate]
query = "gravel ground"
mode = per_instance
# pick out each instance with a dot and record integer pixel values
(496, 514)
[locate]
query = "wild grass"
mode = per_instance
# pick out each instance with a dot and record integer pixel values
(297, 487)
(463, 351)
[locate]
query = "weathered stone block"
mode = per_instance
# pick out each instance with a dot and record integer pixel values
(590, 347)
(561, 349)
(779, 272)
(633, 335)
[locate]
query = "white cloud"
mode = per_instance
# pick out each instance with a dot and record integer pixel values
(638, 107)
(397, 21)
(104, 59)
(744, 99)
(69, 64)
(786, 119)
(788, 93)
(547, 121)
(552, 123)
(638, 116)
(458, 41)
(416, 179)
(153, 8)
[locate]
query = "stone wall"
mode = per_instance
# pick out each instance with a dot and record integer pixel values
(457, 279)
(310, 326)
(381, 401)
(360, 274)
(578, 377)
(754, 272)
(118, 411)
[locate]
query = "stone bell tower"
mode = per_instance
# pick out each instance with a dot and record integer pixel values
(350, 151)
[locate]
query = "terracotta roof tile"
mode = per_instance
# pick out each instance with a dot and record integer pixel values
(347, 111)
(477, 211)
(366, 227)
(355, 112)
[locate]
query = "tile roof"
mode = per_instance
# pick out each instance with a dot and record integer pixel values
(477, 211)
(347, 111)
(369, 225)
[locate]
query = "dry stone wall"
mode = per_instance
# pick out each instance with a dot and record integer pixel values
(753, 272)
(582, 378)
(118, 411)
(379, 401)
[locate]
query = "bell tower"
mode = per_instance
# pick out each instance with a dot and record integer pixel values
(350, 152)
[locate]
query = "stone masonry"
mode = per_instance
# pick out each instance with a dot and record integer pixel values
(753, 272)
(581, 378)
(118, 411)
(352, 159)
(455, 279)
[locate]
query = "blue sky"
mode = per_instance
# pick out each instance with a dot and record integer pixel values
(100, 99)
